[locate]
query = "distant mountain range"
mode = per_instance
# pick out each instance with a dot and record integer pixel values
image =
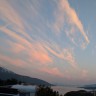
(7, 74)
(90, 87)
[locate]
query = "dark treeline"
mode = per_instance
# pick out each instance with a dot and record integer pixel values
(79, 93)
(11, 81)
(46, 91)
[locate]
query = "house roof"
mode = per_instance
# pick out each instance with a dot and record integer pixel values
(25, 88)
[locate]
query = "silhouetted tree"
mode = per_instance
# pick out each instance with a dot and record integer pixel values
(79, 93)
(1, 82)
(46, 91)
(11, 81)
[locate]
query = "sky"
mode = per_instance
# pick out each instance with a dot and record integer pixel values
(53, 40)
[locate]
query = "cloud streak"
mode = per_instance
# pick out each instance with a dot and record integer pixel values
(65, 54)
(12, 18)
(15, 62)
(66, 15)
(52, 71)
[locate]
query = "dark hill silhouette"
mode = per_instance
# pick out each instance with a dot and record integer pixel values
(79, 93)
(7, 74)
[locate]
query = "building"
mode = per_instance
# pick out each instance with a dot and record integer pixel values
(18, 90)
(6, 91)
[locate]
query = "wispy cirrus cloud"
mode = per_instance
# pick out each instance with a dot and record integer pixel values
(9, 15)
(15, 62)
(65, 54)
(39, 52)
(35, 52)
(13, 19)
(52, 71)
(34, 49)
(68, 21)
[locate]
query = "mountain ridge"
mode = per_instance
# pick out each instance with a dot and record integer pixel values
(7, 74)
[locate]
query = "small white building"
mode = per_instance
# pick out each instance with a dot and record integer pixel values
(25, 90)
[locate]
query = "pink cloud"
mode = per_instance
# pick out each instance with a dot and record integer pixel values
(65, 54)
(35, 51)
(12, 18)
(39, 53)
(16, 62)
(16, 47)
(52, 71)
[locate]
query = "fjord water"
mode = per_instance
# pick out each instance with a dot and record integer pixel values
(64, 89)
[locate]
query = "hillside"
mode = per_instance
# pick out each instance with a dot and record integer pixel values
(7, 74)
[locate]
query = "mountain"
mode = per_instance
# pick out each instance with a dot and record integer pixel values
(7, 74)
(90, 87)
